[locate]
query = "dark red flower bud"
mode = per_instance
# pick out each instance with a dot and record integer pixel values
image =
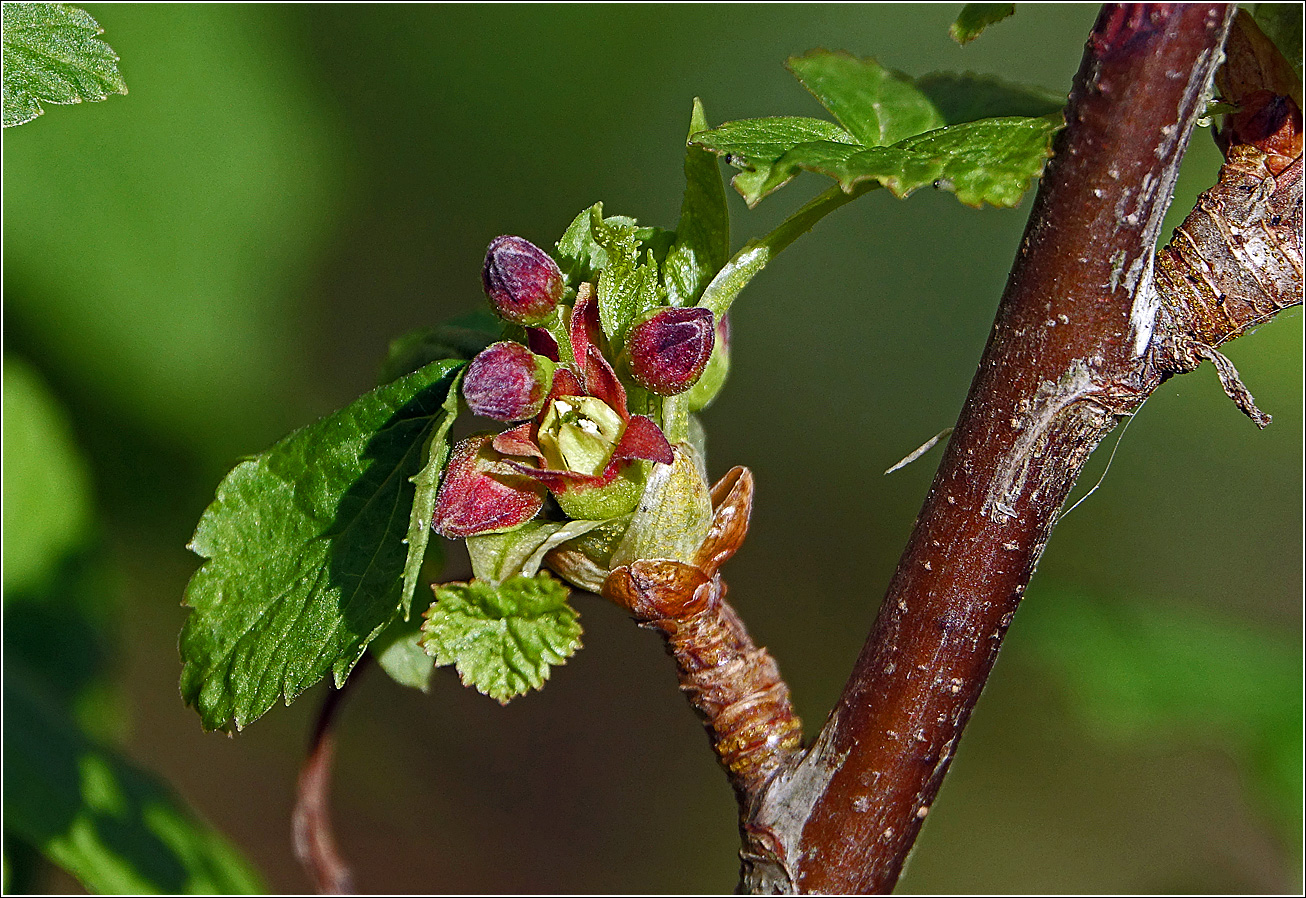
(523, 283)
(668, 350)
(507, 382)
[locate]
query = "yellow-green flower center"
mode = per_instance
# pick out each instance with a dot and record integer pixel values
(578, 434)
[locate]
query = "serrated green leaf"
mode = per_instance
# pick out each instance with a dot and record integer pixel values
(755, 144)
(975, 17)
(1282, 23)
(47, 505)
(627, 286)
(52, 54)
(702, 236)
(398, 652)
(877, 106)
(426, 485)
(969, 97)
(111, 824)
(503, 638)
(304, 549)
(990, 161)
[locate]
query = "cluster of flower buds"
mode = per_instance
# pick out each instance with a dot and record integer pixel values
(574, 437)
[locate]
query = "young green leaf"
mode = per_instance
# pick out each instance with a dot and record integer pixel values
(305, 554)
(702, 237)
(754, 144)
(502, 637)
(579, 254)
(627, 287)
(975, 17)
(52, 54)
(114, 826)
(520, 553)
(878, 106)
(991, 161)
(426, 485)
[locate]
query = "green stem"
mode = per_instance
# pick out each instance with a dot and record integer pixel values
(756, 254)
(675, 418)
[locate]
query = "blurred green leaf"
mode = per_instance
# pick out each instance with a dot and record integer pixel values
(1282, 23)
(878, 106)
(461, 338)
(1143, 671)
(106, 821)
(968, 97)
(52, 55)
(400, 655)
(197, 212)
(702, 236)
(502, 637)
(47, 503)
(305, 552)
(975, 17)
(426, 485)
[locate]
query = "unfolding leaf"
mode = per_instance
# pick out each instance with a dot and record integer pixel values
(579, 254)
(426, 485)
(968, 97)
(975, 17)
(503, 638)
(109, 823)
(519, 553)
(52, 54)
(305, 552)
(627, 286)
(702, 236)
(878, 106)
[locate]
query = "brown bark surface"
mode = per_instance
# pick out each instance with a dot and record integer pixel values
(1082, 336)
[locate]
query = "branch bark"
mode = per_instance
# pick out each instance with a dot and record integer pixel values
(1082, 337)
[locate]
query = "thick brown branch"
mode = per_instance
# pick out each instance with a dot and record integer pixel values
(1067, 359)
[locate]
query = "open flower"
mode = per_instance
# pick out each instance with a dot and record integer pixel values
(584, 447)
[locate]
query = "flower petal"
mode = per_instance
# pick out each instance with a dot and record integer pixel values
(481, 493)
(642, 439)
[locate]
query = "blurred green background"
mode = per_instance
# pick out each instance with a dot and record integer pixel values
(222, 255)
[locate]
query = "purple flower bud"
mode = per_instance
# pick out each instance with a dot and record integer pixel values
(507, 382)
(668, 350)
(522, 282)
